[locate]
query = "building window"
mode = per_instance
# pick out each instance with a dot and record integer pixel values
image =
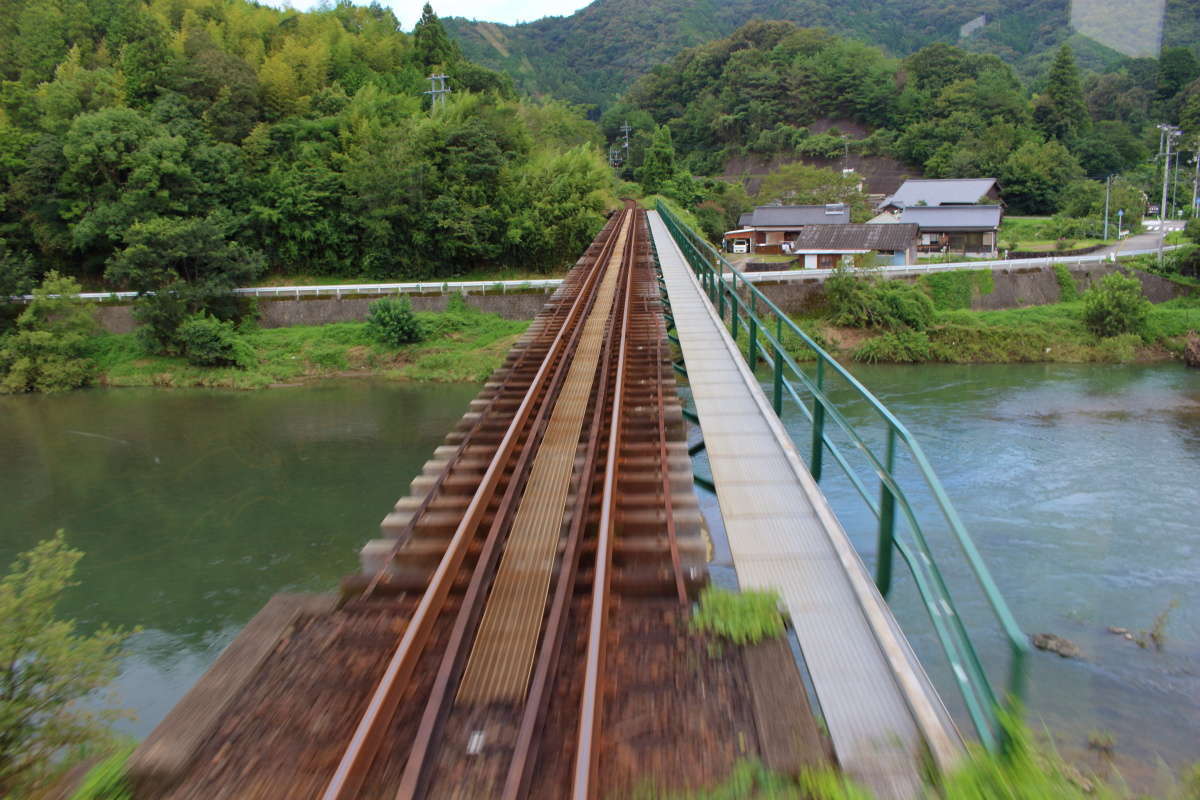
(826, 261)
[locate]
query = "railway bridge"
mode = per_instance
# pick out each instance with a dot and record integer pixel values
(520, 628)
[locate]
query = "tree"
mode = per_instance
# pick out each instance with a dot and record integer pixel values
(46, 667)
(181, 267)
(800, 184)
(658, 162)
(1115, 306)
(48, 352)
(1060, 111)
(1034, 175)
(433, 45)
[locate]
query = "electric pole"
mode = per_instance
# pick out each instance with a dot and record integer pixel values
(1169, 132)
(437, 91)
(1195, 179)
(1107, 194)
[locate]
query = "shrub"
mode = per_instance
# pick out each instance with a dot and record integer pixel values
(865, 301)
(48, 352)
(1192, 229)
(209, 342)
(1115, 305)
(905, 347)
(47, 667)
(392, 322)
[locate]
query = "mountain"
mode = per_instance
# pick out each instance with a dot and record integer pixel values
(593, 55)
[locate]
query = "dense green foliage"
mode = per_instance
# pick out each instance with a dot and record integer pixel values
(1068, 292)
(740, 617)
(210, 342)
(392, 321)
(593, 55)
(169, 142)
(46, 667)
(772, 90)
(48, 351)
(865, 300)
(956, 288)
(1115, 306)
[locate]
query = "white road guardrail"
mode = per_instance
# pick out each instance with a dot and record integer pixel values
(503, 287)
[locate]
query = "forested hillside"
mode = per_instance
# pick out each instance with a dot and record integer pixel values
(146, 142)
(593, 55)
(947, 111)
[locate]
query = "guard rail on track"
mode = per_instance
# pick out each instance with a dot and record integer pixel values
(741, 303)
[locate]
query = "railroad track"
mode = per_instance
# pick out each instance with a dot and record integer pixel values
(564, 487)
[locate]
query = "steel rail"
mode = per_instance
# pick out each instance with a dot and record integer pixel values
(413, 782)
(364, 744)
(524, 757)
(527, 353)
(672, 540)
(587, 752)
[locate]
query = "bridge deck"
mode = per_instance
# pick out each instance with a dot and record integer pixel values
(877, 702)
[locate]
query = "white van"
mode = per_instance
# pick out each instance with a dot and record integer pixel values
(741, 246)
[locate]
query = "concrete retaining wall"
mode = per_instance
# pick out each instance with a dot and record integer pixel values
(284, 313)
(1014, 287)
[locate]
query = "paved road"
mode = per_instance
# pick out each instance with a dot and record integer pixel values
(1142, 241)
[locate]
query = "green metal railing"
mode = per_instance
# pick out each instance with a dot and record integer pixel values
(749, 313)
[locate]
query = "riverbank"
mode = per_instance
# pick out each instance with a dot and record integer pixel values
(1052, 333)
(460, 346)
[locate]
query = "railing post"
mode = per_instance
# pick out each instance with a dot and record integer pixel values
(818, 430)
(887, 519)
(778, 393)
(752, 353)
(733, 317)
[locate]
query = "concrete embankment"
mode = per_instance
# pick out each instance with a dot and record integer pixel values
(284, 312)
(1012, 287)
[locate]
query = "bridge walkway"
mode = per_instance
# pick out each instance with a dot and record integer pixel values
(880, 709)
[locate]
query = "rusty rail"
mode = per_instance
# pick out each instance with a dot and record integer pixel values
(591, 709)
(356, 760)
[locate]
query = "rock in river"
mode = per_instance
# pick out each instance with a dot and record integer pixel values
(1056, 644)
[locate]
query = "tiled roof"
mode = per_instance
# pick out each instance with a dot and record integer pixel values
(797, 216)
(857, 236)
(953, 218)
(931, 192)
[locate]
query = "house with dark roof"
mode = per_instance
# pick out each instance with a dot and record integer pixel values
(970, 230)
(942, 192)
(825, 246)
(772, 229)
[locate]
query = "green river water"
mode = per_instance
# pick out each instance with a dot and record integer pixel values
(1079, 483)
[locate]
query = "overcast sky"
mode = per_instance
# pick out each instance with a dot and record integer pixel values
(508, 11)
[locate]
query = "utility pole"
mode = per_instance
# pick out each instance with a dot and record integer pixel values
(1107, 194)
(626, 129)
(1196, 179)
(437, 91)
(1169, 134)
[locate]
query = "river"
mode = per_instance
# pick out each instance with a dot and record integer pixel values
(1079, 483)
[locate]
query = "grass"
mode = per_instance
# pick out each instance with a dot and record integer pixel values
(1032, 769)
(739, 617)
(107, 780)
(463, 345)
(750, 779)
